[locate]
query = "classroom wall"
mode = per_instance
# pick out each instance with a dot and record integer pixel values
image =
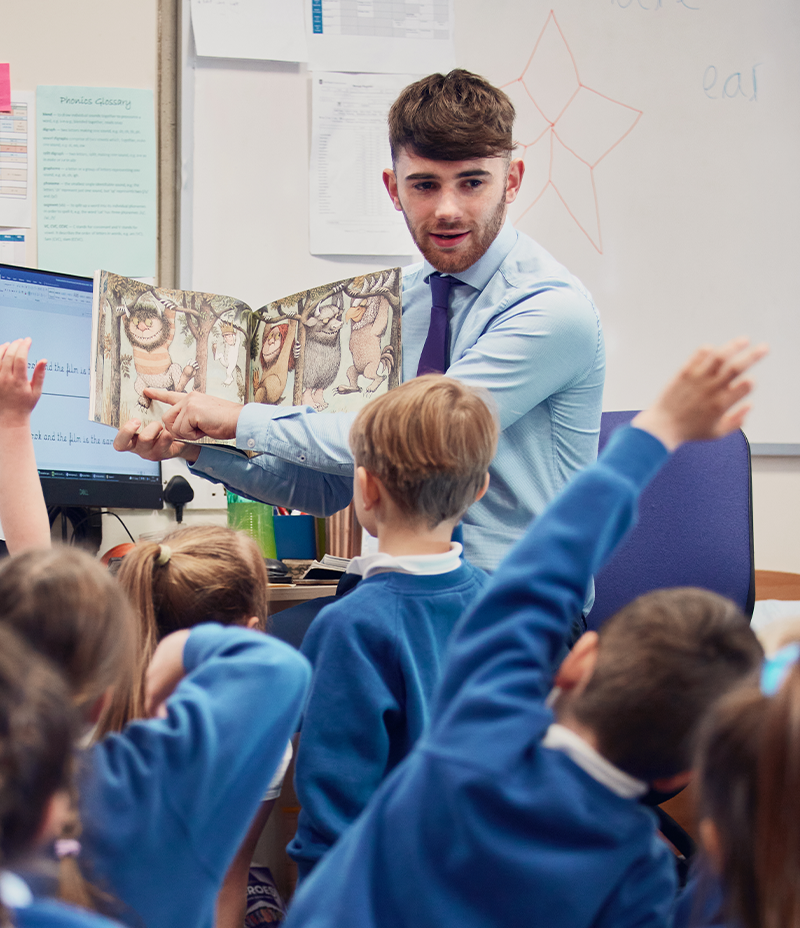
(113, 42)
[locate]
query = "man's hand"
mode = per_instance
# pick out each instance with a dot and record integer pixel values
(18, 395)
(699, 402)
(153, 442)
(164, 672)
(197, 415)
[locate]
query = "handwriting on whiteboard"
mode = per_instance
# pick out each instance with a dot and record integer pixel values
(720, 86)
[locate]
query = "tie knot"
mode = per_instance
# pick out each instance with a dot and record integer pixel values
(440, 291)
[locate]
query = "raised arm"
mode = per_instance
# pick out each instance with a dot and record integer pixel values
(501, 661)
(23, 513)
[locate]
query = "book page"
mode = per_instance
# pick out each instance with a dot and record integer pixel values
(332, 347)
(144, 336)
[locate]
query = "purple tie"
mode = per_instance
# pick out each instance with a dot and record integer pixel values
(433, 359)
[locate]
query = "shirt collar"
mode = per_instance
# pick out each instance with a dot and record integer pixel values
(559, 738)
(429, 564)
(479, 274)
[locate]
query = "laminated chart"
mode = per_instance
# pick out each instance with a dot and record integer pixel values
(15, 207)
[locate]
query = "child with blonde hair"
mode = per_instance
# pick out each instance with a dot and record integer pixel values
(422, 454)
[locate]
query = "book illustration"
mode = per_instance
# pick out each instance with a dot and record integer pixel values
(331, 347)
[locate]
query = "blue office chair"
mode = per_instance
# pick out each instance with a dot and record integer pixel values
(695, 527)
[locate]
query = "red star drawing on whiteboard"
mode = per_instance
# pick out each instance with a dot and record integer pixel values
(565, 129)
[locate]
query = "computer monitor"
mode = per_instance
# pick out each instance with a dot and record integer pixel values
(77, 463)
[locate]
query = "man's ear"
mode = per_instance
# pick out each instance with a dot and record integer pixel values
(390, 182)
(483, 489)
(579, 664)
(516, 169)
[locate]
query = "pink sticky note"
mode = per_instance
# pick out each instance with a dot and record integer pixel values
(5, 88)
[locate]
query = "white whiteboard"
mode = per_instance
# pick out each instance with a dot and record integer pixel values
(687, 230)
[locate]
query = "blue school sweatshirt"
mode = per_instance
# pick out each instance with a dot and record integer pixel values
(166, 803)
(377, 656)
(481, 825)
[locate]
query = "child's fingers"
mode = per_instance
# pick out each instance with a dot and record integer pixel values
(37, 380)
(737, 364)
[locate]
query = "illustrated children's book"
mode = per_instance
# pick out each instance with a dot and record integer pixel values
(331, 347)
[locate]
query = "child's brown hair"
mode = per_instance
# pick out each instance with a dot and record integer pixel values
(68, 607)
(430, 442)
(201, 573)
(662, 661)
(749, 786)
(452, 117)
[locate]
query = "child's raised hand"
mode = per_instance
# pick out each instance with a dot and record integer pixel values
(701, 401)
(165, 672)
(18, 395)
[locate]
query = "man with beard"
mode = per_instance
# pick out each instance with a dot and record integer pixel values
(511, 320)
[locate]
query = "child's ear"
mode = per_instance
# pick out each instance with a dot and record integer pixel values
(579, 664)
(57, 813)
(253, 622)
(370, 488)
(709, 838)
(483, 489)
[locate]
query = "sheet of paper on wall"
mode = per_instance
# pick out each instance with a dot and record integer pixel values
(96, 179)
(351, 213)
(390, 36)
(12, 246)
(16, 160)
(273, 30)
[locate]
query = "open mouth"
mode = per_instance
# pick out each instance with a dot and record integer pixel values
(448, 239)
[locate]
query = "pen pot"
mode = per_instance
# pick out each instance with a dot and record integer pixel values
(255, 519)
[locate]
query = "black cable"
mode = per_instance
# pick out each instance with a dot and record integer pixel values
(70, 514)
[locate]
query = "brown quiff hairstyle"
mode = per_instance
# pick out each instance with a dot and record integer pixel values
(430, 442)
(452, 117)
(201, 573)
(662, 661)
(748, 762)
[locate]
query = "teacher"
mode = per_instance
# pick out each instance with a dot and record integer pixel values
(487, 305)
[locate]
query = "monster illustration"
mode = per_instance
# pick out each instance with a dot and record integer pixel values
(368, 319)
(150, 328)
(323, 350)
(277, 359)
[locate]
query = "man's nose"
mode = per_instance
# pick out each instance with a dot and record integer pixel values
(448, 206)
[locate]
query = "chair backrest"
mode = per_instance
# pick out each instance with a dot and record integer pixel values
(695, 527)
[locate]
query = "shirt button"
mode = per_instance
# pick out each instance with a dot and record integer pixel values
(301, 457)
(251, 442)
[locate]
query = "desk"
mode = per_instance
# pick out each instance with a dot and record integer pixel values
(284, 595)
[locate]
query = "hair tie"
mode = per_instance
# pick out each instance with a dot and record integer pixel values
(67, 847)
(776, 668)
(164, 554)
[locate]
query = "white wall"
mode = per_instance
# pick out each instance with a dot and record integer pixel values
(255, 238)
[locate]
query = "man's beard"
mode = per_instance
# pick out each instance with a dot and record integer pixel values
(480, 240)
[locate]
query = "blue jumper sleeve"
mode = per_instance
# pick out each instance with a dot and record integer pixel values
(501, 660)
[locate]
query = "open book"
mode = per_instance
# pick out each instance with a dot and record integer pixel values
(332, 347)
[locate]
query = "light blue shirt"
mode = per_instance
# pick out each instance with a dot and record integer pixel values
(523, 328)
